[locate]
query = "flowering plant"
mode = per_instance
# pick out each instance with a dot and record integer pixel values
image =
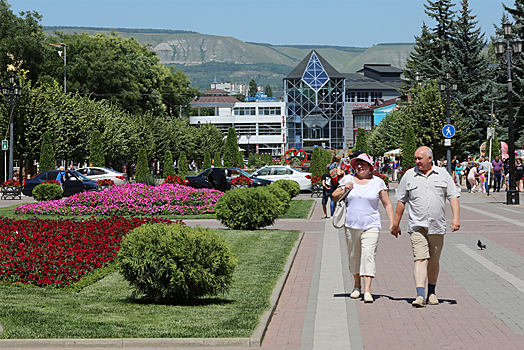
(382, 176)
(121, 177)
(11, 183)
(60, 252)
(316, 180)
(130, 199)
(173, 179)
(105, 182)
(241, 181)
(53, 182)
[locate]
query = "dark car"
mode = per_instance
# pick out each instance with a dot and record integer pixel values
(74, 183)
(219, 178)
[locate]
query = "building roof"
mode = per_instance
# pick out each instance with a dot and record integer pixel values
(211, 101)
(381, 68)
(216, 92)
(298, 72)
(356, 81)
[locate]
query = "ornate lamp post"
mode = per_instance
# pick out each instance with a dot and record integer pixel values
(504, 48)
(11, 93)
(248, 136)
(445, 87)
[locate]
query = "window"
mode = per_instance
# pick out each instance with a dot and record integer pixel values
(376, 95)
(279, 171)
(263, 172)
(244, 111)
(363, 121)
(315, 76)
(268, 110)
(350, 96)
(362, 96)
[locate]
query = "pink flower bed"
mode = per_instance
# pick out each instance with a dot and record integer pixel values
(131, 199)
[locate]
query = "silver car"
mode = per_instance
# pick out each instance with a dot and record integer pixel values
(99, 173)
(278, 172)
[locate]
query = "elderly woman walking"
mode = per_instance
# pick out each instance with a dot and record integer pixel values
(363, 220)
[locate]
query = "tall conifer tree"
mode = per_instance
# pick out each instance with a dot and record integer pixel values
(231, 148)
(47, 154)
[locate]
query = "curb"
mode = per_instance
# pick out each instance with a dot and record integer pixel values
(311, 211)
(254, 341)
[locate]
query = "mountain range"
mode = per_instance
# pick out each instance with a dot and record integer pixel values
(205, 57)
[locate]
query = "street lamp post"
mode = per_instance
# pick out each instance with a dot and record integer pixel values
(504, 48)
(444, 86)
(248, 136)
(11, 93)
(65, 61)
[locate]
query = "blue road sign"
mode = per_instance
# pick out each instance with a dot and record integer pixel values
(448, 131)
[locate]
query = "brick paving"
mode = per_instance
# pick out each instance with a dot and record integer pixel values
(479, 308)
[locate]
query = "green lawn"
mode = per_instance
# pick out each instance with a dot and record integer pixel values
(105, 309)
(298, 209)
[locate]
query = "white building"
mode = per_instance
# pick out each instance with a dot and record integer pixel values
(230, 88)
(260, 126)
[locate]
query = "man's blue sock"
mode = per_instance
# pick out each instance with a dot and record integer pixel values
(421, 292)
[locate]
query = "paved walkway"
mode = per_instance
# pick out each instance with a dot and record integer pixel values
(481, 292)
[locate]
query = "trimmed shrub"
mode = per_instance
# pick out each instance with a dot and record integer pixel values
(290, 186)
(362, 142)
(142, 168)
(317, 166)
(240, 160)
(96, 150)
(47, 192)
(251, 161)
(176, 261)
(217, 161)
(247, 208)
(169, 167)
(283, 198)
(231, 148)
(207, 161)
(183, 167)
(47, 154)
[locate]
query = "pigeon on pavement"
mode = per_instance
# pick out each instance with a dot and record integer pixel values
(480, 245)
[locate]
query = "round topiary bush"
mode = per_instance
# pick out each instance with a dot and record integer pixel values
(47, 192)
(247, 208)
(283, 198)
(290, 186)
(176, 261)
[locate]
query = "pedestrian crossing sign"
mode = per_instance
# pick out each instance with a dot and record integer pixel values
(448, 131)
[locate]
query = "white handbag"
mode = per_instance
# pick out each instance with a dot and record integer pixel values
(339, 216)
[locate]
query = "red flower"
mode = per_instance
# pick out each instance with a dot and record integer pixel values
(11, 183)
(105, 182)
(241, 181)
(54, 182)
(173, 179)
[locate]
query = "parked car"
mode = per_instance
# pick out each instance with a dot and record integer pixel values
(219, 178)
(74, 183)
(278, 172)
(99, 173)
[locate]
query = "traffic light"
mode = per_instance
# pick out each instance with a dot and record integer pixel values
(5, 145)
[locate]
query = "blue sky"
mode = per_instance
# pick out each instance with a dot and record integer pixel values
(360, 23)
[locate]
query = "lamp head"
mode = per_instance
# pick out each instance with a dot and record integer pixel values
(507, 28)
(498, 45)
(517, 45)
(11, 78)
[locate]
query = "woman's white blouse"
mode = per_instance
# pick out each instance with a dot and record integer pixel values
(362, 203)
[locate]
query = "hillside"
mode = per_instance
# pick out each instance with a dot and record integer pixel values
(203, 57)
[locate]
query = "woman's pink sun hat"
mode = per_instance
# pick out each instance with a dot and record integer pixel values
(363, 156)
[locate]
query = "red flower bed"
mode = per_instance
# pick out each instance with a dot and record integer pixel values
(241, 181)
(105, 182)
(54, 182)
(59, 252)
(173, 179)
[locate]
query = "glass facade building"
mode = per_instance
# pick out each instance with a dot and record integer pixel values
(314, 96)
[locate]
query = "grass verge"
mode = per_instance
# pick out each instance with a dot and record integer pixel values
(298, 209)
(105, 309)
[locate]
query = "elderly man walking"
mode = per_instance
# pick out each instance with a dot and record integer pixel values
(425, 189)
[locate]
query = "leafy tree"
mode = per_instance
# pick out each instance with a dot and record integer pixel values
(96, 156)
(21, 40)
(268, 91)
(253, 88)
(47, 154)
(142, 167)
(119, 70)
(207, 161)
(362, 143)
(240, 97)
(169, 166)
(387, 135)
(211, 140)
(408, 149)
(231, 148)
(183, 167)
(217, 160)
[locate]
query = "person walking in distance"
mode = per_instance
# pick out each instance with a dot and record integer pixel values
(425, 189)
(498, 167)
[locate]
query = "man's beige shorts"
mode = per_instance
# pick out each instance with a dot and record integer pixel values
(426, 246)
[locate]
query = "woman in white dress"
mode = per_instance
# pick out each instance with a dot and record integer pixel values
(363, 221)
